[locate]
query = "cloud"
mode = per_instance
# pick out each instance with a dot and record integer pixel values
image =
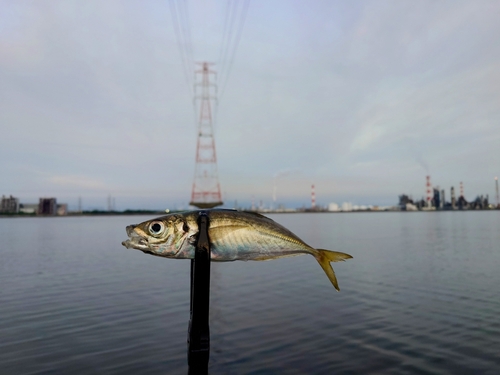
(367, 136)
(93, 96)
(77, 181)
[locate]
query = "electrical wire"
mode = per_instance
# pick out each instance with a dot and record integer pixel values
(183, 40)
(224, 32)
(231, 11)
(186, 30)
(237, 39)
(234, 20)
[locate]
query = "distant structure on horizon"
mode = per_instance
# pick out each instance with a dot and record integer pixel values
(496, 188)
(334, 207)
(45, 206)
(111, 204)
(206, 189)
(428, 191)
(313, 198)
(9, 205)
(435, 200)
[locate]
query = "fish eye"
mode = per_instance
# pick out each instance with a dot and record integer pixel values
(156, 227)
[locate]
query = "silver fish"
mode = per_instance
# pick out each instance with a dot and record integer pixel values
(233, 235)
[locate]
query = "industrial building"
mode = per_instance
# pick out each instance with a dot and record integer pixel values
(28, 208)
(9, 205)
(436, 200)
(45, 207)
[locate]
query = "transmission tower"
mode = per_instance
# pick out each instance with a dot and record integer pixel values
(206, 188)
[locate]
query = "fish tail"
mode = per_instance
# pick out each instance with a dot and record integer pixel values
(324, 257)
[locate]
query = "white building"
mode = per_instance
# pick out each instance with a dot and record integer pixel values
(333, 207)
(62, 209)
(28, 208)
(347, 206)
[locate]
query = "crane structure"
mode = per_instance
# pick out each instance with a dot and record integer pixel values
(206, 188)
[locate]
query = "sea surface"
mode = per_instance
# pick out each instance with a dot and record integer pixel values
(420, 296)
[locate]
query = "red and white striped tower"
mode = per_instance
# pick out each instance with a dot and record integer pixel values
(206, 188)
(429, 191)
(461, 189)
(313, 198)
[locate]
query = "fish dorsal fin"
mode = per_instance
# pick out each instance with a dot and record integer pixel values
(260, 216)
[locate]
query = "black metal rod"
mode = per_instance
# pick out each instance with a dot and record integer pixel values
(199, 331)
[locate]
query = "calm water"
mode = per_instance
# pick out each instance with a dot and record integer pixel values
(420, 297)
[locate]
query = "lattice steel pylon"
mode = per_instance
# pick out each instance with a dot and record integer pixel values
(206, 187)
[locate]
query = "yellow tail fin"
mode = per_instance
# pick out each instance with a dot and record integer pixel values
(324, 257)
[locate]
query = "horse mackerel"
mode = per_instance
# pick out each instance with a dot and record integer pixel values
(233, 235)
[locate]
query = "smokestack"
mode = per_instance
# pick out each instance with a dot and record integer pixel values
(496, 186)
(313, 198)
(453, 200)
(429, 191)
(461, 189)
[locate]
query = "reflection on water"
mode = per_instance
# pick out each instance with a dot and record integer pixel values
(420, 296)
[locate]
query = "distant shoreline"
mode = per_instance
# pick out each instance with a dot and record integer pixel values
(158, 213)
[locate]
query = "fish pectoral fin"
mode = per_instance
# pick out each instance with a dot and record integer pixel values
(324, 257)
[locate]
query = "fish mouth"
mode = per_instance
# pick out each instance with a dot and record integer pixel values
(136, 240)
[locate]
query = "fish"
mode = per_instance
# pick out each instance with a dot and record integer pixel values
(233, 235)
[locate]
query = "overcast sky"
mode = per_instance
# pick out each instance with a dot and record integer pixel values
(362, 99)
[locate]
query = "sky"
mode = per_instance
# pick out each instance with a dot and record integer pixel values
(362, 99)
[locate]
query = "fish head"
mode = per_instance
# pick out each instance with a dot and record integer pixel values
(164, 236)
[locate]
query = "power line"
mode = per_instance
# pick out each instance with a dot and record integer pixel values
(182, 43)
(224, 32)
(231, 8)
(186, 29)
(234, 21)
(239, 32)
(175, 21)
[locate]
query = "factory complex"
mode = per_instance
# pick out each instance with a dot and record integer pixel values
(44, 207)
(436, 200)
